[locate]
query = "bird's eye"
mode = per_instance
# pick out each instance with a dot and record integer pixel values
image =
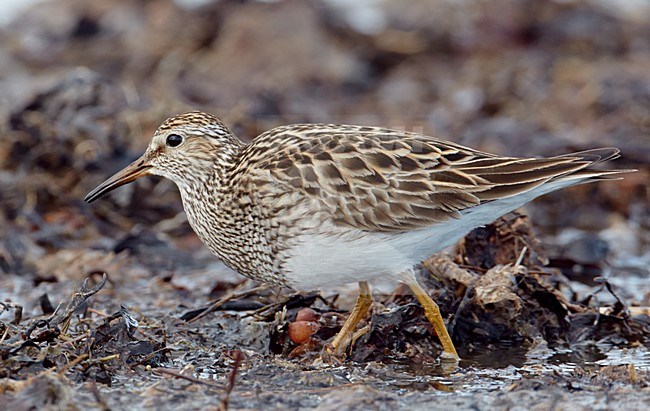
(173, 140)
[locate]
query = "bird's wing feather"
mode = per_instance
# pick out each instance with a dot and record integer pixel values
(378, 179)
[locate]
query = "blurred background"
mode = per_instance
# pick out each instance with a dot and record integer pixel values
(83, 85)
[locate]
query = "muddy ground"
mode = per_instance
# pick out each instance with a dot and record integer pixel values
(547, 306)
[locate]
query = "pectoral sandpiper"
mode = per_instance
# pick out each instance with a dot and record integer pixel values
(313, 205)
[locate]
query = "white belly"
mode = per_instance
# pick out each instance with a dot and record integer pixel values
(354, 255)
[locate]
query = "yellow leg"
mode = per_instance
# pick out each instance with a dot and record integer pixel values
(360, 310)
(432, 312)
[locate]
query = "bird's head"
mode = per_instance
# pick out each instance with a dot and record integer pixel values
(184, 149)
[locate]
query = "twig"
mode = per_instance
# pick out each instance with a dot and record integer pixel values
(4, 335)
(72, 363)
(76, 339)
(78, 299)
(177, 374)
(521, 256)
(150, 356)
(18, 314)
(222, 301)
(108, 358)
(96, 311)
(232, 377)
(286, 303)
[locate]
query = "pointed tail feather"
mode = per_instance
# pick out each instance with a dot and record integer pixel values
(595, 156)
(548, 174)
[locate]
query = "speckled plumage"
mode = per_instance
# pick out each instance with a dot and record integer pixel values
(255, 205)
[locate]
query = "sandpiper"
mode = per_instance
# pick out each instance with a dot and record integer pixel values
(311, 205)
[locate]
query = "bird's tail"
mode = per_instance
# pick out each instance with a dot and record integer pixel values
(543, 175)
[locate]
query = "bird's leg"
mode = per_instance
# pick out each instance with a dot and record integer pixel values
(432, 312)
(360, 310)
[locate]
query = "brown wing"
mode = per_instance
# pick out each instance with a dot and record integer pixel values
(385, 180)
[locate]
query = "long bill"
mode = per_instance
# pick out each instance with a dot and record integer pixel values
(133, 171)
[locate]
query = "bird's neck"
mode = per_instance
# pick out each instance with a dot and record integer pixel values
(209, 186)
(210, 203)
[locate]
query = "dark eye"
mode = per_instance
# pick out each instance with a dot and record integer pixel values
(173, 140)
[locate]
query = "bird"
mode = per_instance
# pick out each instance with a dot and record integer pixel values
(306, 206)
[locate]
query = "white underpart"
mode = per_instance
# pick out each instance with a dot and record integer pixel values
(354, 255)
